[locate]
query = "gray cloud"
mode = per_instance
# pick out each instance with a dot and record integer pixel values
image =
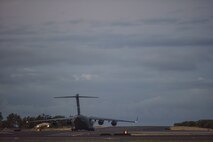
(154, 56)
(160, 21)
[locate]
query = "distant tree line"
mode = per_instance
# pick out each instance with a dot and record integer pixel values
(28, 121)
(1, 119)
(199, 123)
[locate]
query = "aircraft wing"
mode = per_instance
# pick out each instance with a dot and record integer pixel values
(52, 120)
(111, 120)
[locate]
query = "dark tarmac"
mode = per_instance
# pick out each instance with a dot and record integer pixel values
(106, 134)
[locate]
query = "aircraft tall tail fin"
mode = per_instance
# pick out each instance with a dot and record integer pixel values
(77, 96)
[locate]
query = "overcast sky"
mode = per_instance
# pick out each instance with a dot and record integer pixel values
(147, 58)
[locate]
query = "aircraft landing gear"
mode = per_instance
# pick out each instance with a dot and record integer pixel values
(92, 129)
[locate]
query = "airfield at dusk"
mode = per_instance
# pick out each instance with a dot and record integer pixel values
(150, 58)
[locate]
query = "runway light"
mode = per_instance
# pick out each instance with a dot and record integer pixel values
(125, 132)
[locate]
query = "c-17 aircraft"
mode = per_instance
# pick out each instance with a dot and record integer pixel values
(81, 122)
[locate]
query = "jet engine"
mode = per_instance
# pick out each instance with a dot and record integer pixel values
(114, 123)
(55, 123)
(100, 122)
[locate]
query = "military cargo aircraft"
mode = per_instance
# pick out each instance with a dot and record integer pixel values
(81, 122)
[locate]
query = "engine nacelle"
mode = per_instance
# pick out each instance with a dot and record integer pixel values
(100, 122)
(114, 123)
(55, 123)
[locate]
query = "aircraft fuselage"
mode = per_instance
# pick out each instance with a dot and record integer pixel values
(81, 122)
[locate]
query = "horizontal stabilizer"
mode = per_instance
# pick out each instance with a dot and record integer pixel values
(76, 96)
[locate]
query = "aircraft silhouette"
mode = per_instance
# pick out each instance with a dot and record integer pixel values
(81, 122)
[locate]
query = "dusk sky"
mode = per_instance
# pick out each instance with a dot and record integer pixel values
(147, 58)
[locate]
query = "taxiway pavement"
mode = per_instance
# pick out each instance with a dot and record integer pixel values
(105, 134)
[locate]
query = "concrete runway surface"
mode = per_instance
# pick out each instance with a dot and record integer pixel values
(137, 133)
